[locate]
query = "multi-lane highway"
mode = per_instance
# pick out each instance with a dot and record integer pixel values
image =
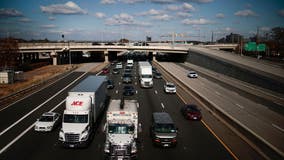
(18, 140)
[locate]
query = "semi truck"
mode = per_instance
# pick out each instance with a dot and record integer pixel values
(145, 74)
(84, 104)
(121, 129)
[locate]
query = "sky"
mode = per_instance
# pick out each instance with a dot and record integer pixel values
(111, 20)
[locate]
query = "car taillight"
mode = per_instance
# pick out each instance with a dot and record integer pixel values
(157, 140)
(174, 140)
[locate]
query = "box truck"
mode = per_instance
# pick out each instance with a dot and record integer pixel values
(84, 104)
(145, 74)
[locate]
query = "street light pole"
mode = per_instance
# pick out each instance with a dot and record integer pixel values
(69, 54)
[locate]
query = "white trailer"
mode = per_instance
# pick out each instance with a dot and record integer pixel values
(145, 74)
(121, 129)
(84, 104)
(130, 63)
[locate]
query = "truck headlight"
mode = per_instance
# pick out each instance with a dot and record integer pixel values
(85, 134)
(133, 147)
(106, 149)
(61, 135)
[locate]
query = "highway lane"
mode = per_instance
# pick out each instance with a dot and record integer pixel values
(17, 110)
(273, 101)
(263, 122)
(194, 140)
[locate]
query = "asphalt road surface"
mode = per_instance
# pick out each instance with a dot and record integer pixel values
(194, 139)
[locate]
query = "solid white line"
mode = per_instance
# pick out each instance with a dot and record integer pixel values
(18, 121)
(281, 129)
(162, 105)
(25, 131)
(240, 106)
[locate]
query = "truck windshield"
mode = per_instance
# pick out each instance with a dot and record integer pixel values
(121, 129)
(70, 118)
(147, 76)
(165, 128)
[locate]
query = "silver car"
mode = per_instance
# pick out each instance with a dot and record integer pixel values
(170, 87)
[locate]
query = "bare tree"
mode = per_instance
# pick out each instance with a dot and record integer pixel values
(9, 53)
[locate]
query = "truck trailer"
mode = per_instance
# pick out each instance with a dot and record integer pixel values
(121, 129)
(145, 74)
(84, 104)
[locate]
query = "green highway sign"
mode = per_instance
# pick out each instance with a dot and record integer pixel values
(252, 46)
(261, 47)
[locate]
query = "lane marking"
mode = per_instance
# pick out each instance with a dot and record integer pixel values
(162, 105)
(213, 133)
(36, 91)
(156, 92)
(18, 121)
(119, 83)
(218, 93)
(279, 128)
(138, 105)
(240, 106)
(136, 83)
(116, 91)
(136, 91)
(25, 131)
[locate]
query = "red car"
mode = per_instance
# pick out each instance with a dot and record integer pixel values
(105, 71)
(191, 111)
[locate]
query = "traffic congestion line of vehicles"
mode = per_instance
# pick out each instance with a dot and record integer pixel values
(88, 100)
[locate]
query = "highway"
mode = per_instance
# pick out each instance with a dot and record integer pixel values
(258, 119)
(195, 141)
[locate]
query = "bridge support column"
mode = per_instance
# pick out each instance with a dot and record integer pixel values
(54, 58)
(154, 56)
(106, 56)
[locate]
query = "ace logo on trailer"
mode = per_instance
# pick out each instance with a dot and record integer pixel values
(77, 103)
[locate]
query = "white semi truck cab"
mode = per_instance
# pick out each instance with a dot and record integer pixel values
(84, 104)
(145, 74)
(121, 129)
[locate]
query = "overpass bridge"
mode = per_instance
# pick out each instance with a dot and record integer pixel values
(59, 50)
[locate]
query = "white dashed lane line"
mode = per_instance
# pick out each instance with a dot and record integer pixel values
(240, 106)
(162, 105)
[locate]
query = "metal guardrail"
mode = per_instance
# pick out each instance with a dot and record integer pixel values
(263, 148)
